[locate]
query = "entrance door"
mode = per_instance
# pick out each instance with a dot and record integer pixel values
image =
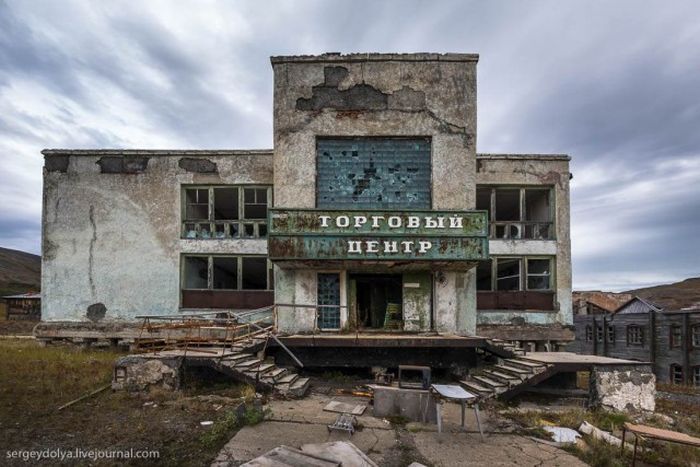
(328, 301)
(378, 300)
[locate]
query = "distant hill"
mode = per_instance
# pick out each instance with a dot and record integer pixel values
(672, 296)
(20, 272)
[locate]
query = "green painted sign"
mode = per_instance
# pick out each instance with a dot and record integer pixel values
(319, 234)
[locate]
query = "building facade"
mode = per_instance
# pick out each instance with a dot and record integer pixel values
(372, 212)
(643, 331)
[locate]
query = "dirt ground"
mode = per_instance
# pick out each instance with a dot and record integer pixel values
(35, 381)
(16, 327)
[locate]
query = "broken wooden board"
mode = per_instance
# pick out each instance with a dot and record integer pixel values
(342, 407)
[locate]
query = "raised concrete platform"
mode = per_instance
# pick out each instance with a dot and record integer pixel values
(371, 339)
(569, 359)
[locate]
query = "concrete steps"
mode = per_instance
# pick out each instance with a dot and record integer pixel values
(509, 374)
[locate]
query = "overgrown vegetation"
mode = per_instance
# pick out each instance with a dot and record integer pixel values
(599, 453)
(35, 381)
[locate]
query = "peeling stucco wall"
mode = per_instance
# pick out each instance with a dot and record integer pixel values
(112, 237)
(534, 170)
(416, 95)
(623, 388)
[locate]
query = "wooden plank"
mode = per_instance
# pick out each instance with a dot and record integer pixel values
(663, 435)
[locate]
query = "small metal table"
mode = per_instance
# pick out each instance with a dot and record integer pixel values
(456, 393)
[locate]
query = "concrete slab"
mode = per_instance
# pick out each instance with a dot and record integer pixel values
(460, 449)
(570, 357)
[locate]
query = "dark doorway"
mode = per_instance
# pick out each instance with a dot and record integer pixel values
(376, 296)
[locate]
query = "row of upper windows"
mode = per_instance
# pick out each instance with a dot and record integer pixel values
(635, 335)
(232, 211)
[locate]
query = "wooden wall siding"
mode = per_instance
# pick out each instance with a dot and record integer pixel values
(660, 353)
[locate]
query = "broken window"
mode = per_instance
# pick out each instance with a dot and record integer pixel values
(538, 274)
(484, 275)
(676, 374)
(518, 213)
(503, 274)
(611, 334)
(696, 376)
(676, 336)
(219, 272)
(217, 212)
(599, 333)
(373, 173)
(589, 333)
(508, 274)
(635, 335)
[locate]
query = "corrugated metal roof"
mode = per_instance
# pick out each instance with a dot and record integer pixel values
(638, 305)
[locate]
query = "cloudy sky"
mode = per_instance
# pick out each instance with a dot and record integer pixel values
(614, 84)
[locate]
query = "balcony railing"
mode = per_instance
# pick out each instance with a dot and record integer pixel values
(521, 230)
(224, 229)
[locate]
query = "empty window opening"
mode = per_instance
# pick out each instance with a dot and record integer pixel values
(517, 213)
(379, 299)
(196, 272)
(216, 212)
(676, 374)
(599, 333)
(589, 333)
(695, 333)
(255, 273)
(223, 272)
(696, 376)
(484, 275)
(676, 336)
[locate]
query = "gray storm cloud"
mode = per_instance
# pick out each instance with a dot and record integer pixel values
(613, 84)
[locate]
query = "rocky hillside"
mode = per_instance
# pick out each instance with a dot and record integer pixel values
(673, 296)
(20, 272)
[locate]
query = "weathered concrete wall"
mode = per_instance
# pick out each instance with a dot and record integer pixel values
(111, 226)
(623, 388)
(367, 95)
(534, 170)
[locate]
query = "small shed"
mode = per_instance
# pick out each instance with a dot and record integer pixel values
(25, 307)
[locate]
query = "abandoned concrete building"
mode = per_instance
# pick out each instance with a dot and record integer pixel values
(643, 331)
(373, 215)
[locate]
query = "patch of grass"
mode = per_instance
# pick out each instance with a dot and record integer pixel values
(397, 420)
(225, 426)
(678, 388)
(603, 419)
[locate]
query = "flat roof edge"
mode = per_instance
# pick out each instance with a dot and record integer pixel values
(157, 152)
(539, 157)
(376, 57)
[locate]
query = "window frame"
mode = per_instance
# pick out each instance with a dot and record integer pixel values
(589, 333)
(633, 329)
(695, 335)
(524, 274)
(522, 221)
(239, 272)
(610, 337)
(241, 223)
(695, 372)
(673, 369)
(675, 341)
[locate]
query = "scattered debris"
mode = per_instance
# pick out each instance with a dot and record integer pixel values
(342, 407)
(342, 451)
(206, 423)
(285, 455)
(563, 435)
(344, 422)
(597, 433)
(86, 396)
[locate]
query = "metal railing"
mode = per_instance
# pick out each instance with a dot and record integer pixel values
(523, 230)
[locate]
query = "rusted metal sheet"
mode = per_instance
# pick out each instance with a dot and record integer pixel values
(378, 222)
(321, 247)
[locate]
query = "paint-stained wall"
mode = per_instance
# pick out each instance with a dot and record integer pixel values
(111, 226)
(381, 95)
